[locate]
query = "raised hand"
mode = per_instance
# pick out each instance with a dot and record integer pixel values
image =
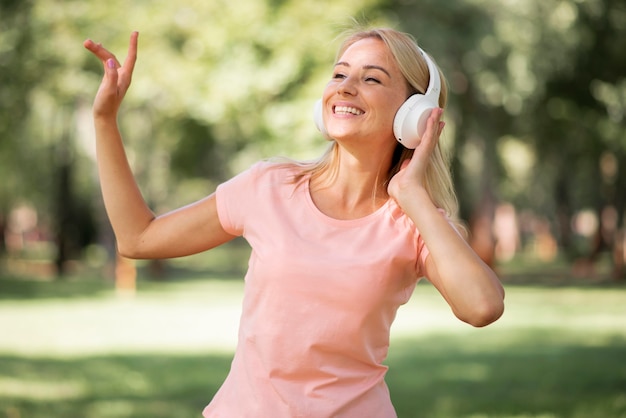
(116, 79)
(413, 172)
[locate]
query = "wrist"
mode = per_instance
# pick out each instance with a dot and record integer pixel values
(419, 206)
(105, 119)
(414, 197)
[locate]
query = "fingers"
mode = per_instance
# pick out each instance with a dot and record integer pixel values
(129, 63)
(442, 124)
(434, 127)
(117, 77)
(98, 50)
(434, 124)
(105, 55)
(131, 56)
(430, 138)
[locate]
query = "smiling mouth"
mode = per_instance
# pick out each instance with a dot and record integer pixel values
(346, 110)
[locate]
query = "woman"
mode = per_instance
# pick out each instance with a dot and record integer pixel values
(337, 245)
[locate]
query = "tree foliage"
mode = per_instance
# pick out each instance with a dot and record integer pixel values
(536, 114)
(539, 101)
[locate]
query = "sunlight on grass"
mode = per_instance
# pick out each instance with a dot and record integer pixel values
(202, 316)
(39, 390)
(595, 313)
(191, 317)
(71, 350)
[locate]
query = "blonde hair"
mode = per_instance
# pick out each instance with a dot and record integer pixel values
(414, 68)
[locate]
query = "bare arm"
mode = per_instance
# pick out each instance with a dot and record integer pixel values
(470, 287)
(139, 233)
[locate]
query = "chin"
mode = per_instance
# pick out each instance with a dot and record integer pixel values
(344, 138)
(342, 134)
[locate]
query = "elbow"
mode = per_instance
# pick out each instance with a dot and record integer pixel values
(124, 253)
(489, 307)
(484, 314)
(127, 250)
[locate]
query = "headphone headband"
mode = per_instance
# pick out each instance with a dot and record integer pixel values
(434, 83)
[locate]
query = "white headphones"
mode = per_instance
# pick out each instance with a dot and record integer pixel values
(409, 123)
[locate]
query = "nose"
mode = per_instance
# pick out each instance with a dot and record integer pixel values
(347, 86)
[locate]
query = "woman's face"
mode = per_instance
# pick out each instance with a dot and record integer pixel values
(366, 90)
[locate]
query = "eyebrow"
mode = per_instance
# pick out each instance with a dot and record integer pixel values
(367, 67)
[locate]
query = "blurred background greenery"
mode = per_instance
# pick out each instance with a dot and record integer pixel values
(535, 123)
(536, 130)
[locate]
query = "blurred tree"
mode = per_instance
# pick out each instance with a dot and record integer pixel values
(537, 85)
(217, 86)
(578, 122)
(461, 38)
(537, 88)
(37, 155)
(15, 44)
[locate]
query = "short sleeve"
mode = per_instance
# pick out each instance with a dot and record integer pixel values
(233, 199)
(422, 255)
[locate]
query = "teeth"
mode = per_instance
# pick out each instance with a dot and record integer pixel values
(348, 110)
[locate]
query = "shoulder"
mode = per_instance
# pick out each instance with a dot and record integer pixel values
(264, 174)
(276, 171)
(255, 195)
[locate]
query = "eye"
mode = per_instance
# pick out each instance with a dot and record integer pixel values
(372, 80)
(339, 76)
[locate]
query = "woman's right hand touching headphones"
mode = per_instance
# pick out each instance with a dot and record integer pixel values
(412, 175)
(117, 77)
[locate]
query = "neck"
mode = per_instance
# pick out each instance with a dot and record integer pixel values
(354, 187)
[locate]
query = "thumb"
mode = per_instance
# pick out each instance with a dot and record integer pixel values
(110, 71)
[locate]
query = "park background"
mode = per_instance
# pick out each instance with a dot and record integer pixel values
(536, 132)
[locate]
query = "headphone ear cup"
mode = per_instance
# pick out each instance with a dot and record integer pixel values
(409, 123)
(318, 118)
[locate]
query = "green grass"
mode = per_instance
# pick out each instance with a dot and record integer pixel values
(74, 349)
(509, 374)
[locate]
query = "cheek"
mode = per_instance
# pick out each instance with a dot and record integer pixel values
(393, 107)
(396, 103)
(329, 90)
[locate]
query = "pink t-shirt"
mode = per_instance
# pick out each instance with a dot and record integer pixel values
(320, 296)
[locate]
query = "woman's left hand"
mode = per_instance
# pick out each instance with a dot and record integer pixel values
(116, 79)
(470, 287)
(413, 171)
